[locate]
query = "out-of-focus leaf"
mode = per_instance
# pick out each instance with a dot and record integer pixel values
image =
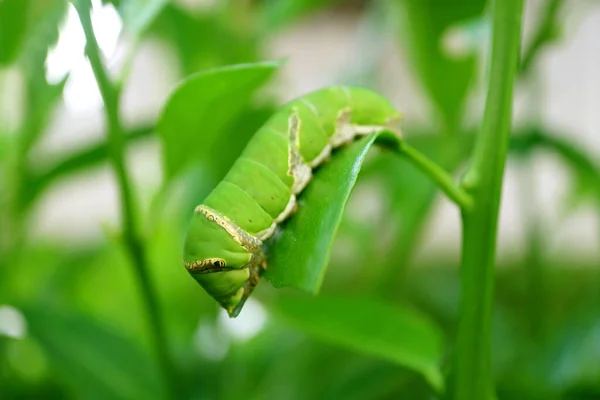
(585, 170)
(44, 21)
(92, 360)
(367, 378)
(577, 355)
(201, 108)
(206, 40)
(42, 97)
(399, 335)
(444, 76)
(298, 256)
(275, 13)
(137, 15)
(547, 32)
(13, 25)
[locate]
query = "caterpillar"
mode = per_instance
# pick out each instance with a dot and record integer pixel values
(223, 249)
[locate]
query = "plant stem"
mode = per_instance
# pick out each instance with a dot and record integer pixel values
(545, 33)
(438, 175)
(483, 181)
(111, 95)
(85, 158)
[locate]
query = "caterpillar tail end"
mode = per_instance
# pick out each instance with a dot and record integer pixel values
(255, 272)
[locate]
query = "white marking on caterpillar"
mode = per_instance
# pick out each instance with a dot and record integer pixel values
(266, 233)
(344, 132)
(367, 129)
(392, 124)
(287, 211)
(321, 157)
(208, 265)
(301, 172)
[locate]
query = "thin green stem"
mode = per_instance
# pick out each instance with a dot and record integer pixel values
(116, 150)
(483, 181)
(544, 34)
(438, 175)
(533, 260)
(84, 158)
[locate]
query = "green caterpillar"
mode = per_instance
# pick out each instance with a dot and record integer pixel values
(224, 244)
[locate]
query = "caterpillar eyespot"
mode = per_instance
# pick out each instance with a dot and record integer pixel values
(259, 191)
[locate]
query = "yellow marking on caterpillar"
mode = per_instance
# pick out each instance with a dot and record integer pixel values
(250, 243)
(208, 265)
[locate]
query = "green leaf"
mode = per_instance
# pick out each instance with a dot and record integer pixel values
(137, 15)
(298, 257)
(396, 334)
(202, 108)
(275, 14)
(585, 170)
(44, 20)
(91, 359)
(209, 39)
(13, 25)
(444, 76)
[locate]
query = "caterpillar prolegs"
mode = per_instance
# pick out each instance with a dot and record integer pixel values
(224, 244)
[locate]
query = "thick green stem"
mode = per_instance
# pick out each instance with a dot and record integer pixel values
(483, 181)
(116, 150)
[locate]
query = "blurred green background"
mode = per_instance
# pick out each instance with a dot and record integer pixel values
(72, 321)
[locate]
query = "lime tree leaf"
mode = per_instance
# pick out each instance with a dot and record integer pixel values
(201, 109)
(44, 21)
(298, 255)
(275, 14)
(138, 15)
(585, 169)
(400, 335)
(446, 77)
(93, 361)
(13, 25)
(223, 42)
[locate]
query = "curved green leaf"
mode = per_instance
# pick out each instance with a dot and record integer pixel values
(299, 254)
(139, 14)
(202, 107)
(396, 334)
(208, 39)
(585, 169)
(276, 14)
(445, 77)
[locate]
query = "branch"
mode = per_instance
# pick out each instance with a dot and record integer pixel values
(84, 158)
(438, 175)
(111, 95)
(483, 181)
(545, 33)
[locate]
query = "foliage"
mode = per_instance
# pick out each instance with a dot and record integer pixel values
(117, 316)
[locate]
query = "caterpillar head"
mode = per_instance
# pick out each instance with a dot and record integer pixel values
(223, 264)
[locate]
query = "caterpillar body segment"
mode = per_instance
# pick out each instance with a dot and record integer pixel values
(223, 248)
